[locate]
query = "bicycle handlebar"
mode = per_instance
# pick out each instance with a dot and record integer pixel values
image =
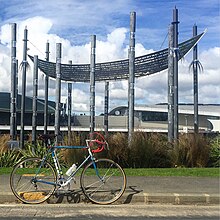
(98, 145)
(97, 141)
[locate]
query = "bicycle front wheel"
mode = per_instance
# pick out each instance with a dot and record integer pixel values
(103, 181)
(32, 181)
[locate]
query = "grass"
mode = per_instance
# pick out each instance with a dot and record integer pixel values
(196, 172)
(5, 170)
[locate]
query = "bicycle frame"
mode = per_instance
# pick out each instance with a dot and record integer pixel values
(52, 151)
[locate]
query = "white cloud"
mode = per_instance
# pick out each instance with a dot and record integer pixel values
(4, 69)
(210, 58)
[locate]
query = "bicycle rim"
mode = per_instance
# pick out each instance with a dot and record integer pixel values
(26, 181)
(106, 187)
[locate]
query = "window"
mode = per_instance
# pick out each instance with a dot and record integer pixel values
(154, 116)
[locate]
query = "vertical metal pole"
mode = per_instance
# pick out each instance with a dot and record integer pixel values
(170, 87)
(128, 94)
(69, 108)
(131, 75)
(106, 107)
(46, 81)
(92, 84)
(35, 88)
(195, 83)
(58, 90)
(16, 96)
(17, 80)
(24, 69)
(175, 45)
(13, 126)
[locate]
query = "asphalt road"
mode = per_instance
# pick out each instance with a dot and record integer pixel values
(109, 212)
(120, 218)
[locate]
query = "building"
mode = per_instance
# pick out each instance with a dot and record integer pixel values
(5, 111)
(147, 118)
(155, 117)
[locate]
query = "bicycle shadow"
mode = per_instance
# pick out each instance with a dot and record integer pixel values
(131, 191)
(77, 196)
(67, 196)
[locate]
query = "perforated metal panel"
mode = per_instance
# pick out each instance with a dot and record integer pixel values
(116, 70)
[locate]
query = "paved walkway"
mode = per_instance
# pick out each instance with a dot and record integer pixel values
(174, 190)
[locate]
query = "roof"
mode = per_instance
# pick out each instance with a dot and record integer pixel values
(117, 70)
(5, 104)
(204, 109)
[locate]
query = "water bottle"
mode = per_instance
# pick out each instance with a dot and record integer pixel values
(71, 169)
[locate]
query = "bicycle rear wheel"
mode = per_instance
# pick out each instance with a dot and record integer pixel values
(103, 183)
(33, 182)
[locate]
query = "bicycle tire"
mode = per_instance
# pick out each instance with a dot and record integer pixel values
(24, 180)
(106, 187)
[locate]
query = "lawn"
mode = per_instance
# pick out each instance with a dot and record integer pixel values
(200, 172)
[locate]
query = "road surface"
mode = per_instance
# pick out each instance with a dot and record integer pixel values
(109, 212)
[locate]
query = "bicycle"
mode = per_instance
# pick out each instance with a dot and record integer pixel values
(35, 180)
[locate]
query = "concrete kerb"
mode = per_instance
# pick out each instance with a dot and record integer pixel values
(173, 198)
(127, 198)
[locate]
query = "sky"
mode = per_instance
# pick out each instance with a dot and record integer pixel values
(72, 22)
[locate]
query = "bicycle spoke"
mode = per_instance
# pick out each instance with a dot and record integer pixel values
(111, 183)
(25, 184)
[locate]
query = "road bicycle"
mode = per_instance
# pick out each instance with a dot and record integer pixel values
(35, 180)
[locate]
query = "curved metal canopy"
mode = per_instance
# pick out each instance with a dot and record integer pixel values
(117, 70)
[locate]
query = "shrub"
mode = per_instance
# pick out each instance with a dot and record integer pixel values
(71, 156)
(149, 150)
(214, 156)
(10, 157)
(191, 151)
(37, 150)
(144, 150)
(118, 148)
(4, 143)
